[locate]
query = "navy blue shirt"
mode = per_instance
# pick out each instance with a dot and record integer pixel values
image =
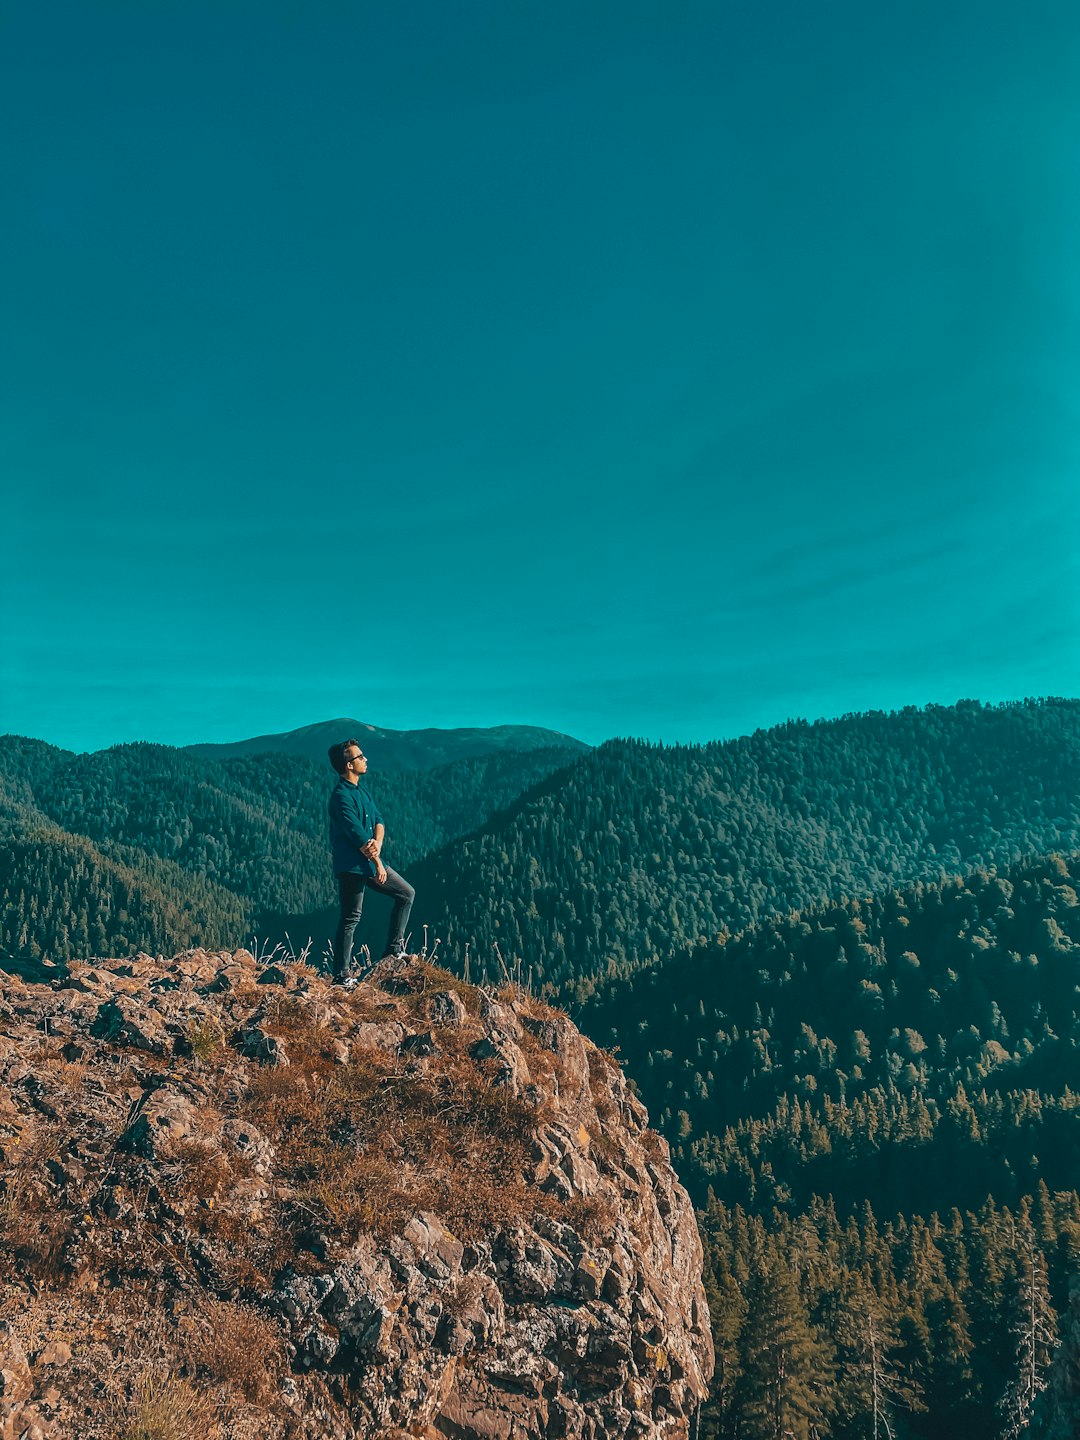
(353, 817)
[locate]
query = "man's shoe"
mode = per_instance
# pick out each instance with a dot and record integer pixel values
(345, 982)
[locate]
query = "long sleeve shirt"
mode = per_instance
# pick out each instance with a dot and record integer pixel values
(353, 817)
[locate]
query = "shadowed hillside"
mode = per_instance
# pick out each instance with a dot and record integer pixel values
(876, 1103)
(922, 1047)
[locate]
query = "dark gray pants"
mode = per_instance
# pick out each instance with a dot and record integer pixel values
(351, 893)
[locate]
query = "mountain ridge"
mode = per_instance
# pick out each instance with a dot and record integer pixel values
(642, 849)
(396, 749)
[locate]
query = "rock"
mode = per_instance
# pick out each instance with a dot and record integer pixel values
(438, 1252)
(422, 1043)
(319, 1346)
(81, 983)
(165, 1118)
(16, 1381)
(234, 974)
(68, 1173)
(510, 1066)
(248, 1191)
(398, 975)
(476, 1410)
(500, 1019)
(124, 1022)
(588, 1281)
(387, 1036)
(57, 1352)
(250, 1142)
(446, 1008)
(257, 1044)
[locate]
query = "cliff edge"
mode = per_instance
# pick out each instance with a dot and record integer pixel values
(236, 1202)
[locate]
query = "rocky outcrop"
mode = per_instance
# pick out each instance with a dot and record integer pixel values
(286, 1210)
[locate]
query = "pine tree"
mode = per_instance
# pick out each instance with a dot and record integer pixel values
(1058, 1414)
(875, 1385)
(785, 1392)
(727, 1308)
(1035, 1332)
(950, 1390)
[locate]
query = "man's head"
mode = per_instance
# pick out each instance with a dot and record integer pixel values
(348, 759)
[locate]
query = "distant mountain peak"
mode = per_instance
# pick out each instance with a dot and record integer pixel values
(397, 749)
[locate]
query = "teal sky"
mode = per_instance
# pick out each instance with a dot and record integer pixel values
(664, 369)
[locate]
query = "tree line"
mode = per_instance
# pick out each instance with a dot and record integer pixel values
(582, 866)
(968, 983)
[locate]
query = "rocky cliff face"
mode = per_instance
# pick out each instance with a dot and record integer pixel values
(237, 1202)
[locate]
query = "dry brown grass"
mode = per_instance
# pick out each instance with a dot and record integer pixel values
(365, 1145)
(384, 1145)
(200, 1170)
(33, 1233)
(288, 1012)
(241, 1348)
(69, 1074)
(166, 1408)
(34, 1225)
(592, 1216)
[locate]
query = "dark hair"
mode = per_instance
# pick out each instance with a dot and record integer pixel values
(336, 754)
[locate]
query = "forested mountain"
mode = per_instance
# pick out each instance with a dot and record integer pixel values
(223, 843)
(877, 1103)
(397, 749)
(641, 850)
(63, 897)
(920, 1023)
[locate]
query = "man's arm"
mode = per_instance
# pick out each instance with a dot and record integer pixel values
(373, 851)
(344, 811)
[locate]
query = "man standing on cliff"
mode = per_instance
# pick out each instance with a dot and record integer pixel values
(356, 839)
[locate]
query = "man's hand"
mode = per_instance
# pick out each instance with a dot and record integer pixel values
(371, 849)
(380, 870)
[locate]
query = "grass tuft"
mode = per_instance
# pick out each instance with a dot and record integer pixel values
(167, 1409)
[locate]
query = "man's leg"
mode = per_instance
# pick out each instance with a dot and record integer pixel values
(351, 895)
(403, 895)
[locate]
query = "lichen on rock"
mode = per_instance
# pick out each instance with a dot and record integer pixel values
(415, 1208)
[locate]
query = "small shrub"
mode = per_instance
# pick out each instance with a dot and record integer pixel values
(242, 1349)
(288, 1012)
(34, 1226)
(167, 1409)
(205, 1037)
(592, 1216)
(202, 1172)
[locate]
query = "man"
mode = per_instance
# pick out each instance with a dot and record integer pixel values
(356, 838)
